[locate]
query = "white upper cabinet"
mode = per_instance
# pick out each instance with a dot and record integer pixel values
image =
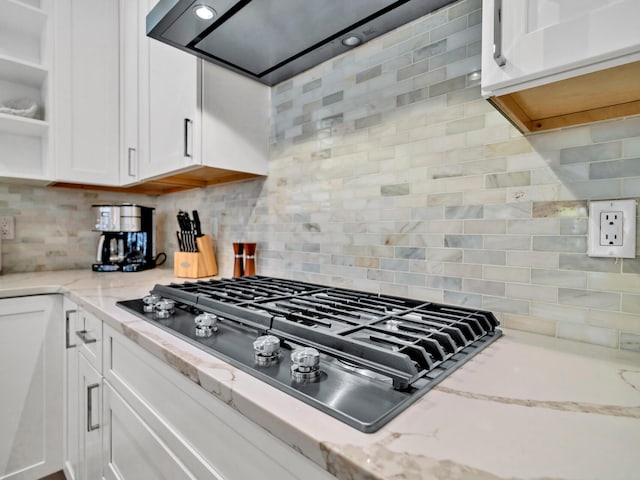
(132, 148)
(87, 89)
(114, 108)
(235, 121)
(203, 122)
(543, 41)
(549, 64)
(173, 114)
(24, 89)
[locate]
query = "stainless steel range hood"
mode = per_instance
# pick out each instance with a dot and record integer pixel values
(273, 40)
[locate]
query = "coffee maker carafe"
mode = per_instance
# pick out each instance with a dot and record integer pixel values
(127, 242)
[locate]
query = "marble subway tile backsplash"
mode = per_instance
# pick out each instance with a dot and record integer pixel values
(389, 173)
(53, 226)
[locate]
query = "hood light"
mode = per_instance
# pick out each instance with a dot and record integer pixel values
(204, 12)
(351, 41)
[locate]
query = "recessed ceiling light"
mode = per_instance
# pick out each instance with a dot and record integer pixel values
(204, 12)
(351, 41)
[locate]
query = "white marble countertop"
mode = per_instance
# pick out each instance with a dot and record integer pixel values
(527, 407)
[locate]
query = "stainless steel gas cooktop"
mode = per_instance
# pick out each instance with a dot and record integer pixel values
(360, 357)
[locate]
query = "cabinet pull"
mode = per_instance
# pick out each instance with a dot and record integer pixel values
(90, 425)
(84, 336)
(67, 340)
(187, 129)
(131, 157)
(497, 34)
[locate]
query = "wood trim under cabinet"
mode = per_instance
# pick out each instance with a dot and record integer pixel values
(601, 95)
(195, 178)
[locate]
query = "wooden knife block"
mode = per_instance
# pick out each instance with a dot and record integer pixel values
(196, 264)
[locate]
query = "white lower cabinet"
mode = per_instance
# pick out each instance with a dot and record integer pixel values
(133, 450)
(138, 418)
(82, 433)
(89, 422)
(159, 424)
(30, 386)
(71, 447)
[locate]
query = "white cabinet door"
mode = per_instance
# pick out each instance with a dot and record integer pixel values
(86, 91)
(133, 451)
(30, 386)
(71, 445)
(132, 21)
(171, 113)
(90, 422)
(550, 40)
(235, 121)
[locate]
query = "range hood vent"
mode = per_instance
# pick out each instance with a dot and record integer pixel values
(274, 40)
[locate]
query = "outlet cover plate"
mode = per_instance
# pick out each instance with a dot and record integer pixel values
(7, 228)
(598, 212)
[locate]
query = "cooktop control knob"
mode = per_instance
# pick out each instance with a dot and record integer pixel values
(150, 302)
(305, 364)
(164, 308)
(306, 357)
(267, 344)
(206, 324)
(267, 350)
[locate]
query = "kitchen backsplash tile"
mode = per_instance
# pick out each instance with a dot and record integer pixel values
(390, 173)
(589, 298)
(53, 226)
(631, 303)
(586, 333)
(629, 341)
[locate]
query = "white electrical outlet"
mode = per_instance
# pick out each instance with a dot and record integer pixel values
(612, 228)
(7, 228)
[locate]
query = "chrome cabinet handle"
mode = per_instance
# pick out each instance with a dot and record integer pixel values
(187, 124)
(131, 153)
(90, 425)
(84, 336)
(67, 340)
(497, 34)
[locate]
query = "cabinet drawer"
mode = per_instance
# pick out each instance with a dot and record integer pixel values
(133, 450)
(174, 406)
(89, 338)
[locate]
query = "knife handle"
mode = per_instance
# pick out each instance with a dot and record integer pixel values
(196, 223)
(180, 243)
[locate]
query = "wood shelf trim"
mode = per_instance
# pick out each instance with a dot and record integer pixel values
(197, 178)
(597, 96)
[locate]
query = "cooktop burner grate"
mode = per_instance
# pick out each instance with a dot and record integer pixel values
(398, 337)
(361, 338)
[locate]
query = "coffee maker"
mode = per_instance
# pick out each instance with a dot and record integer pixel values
(127, 242)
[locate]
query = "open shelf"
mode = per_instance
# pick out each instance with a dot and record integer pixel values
(22, 125)
(19, 15)
(25, 53)
(22, 28)
(18, 71)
